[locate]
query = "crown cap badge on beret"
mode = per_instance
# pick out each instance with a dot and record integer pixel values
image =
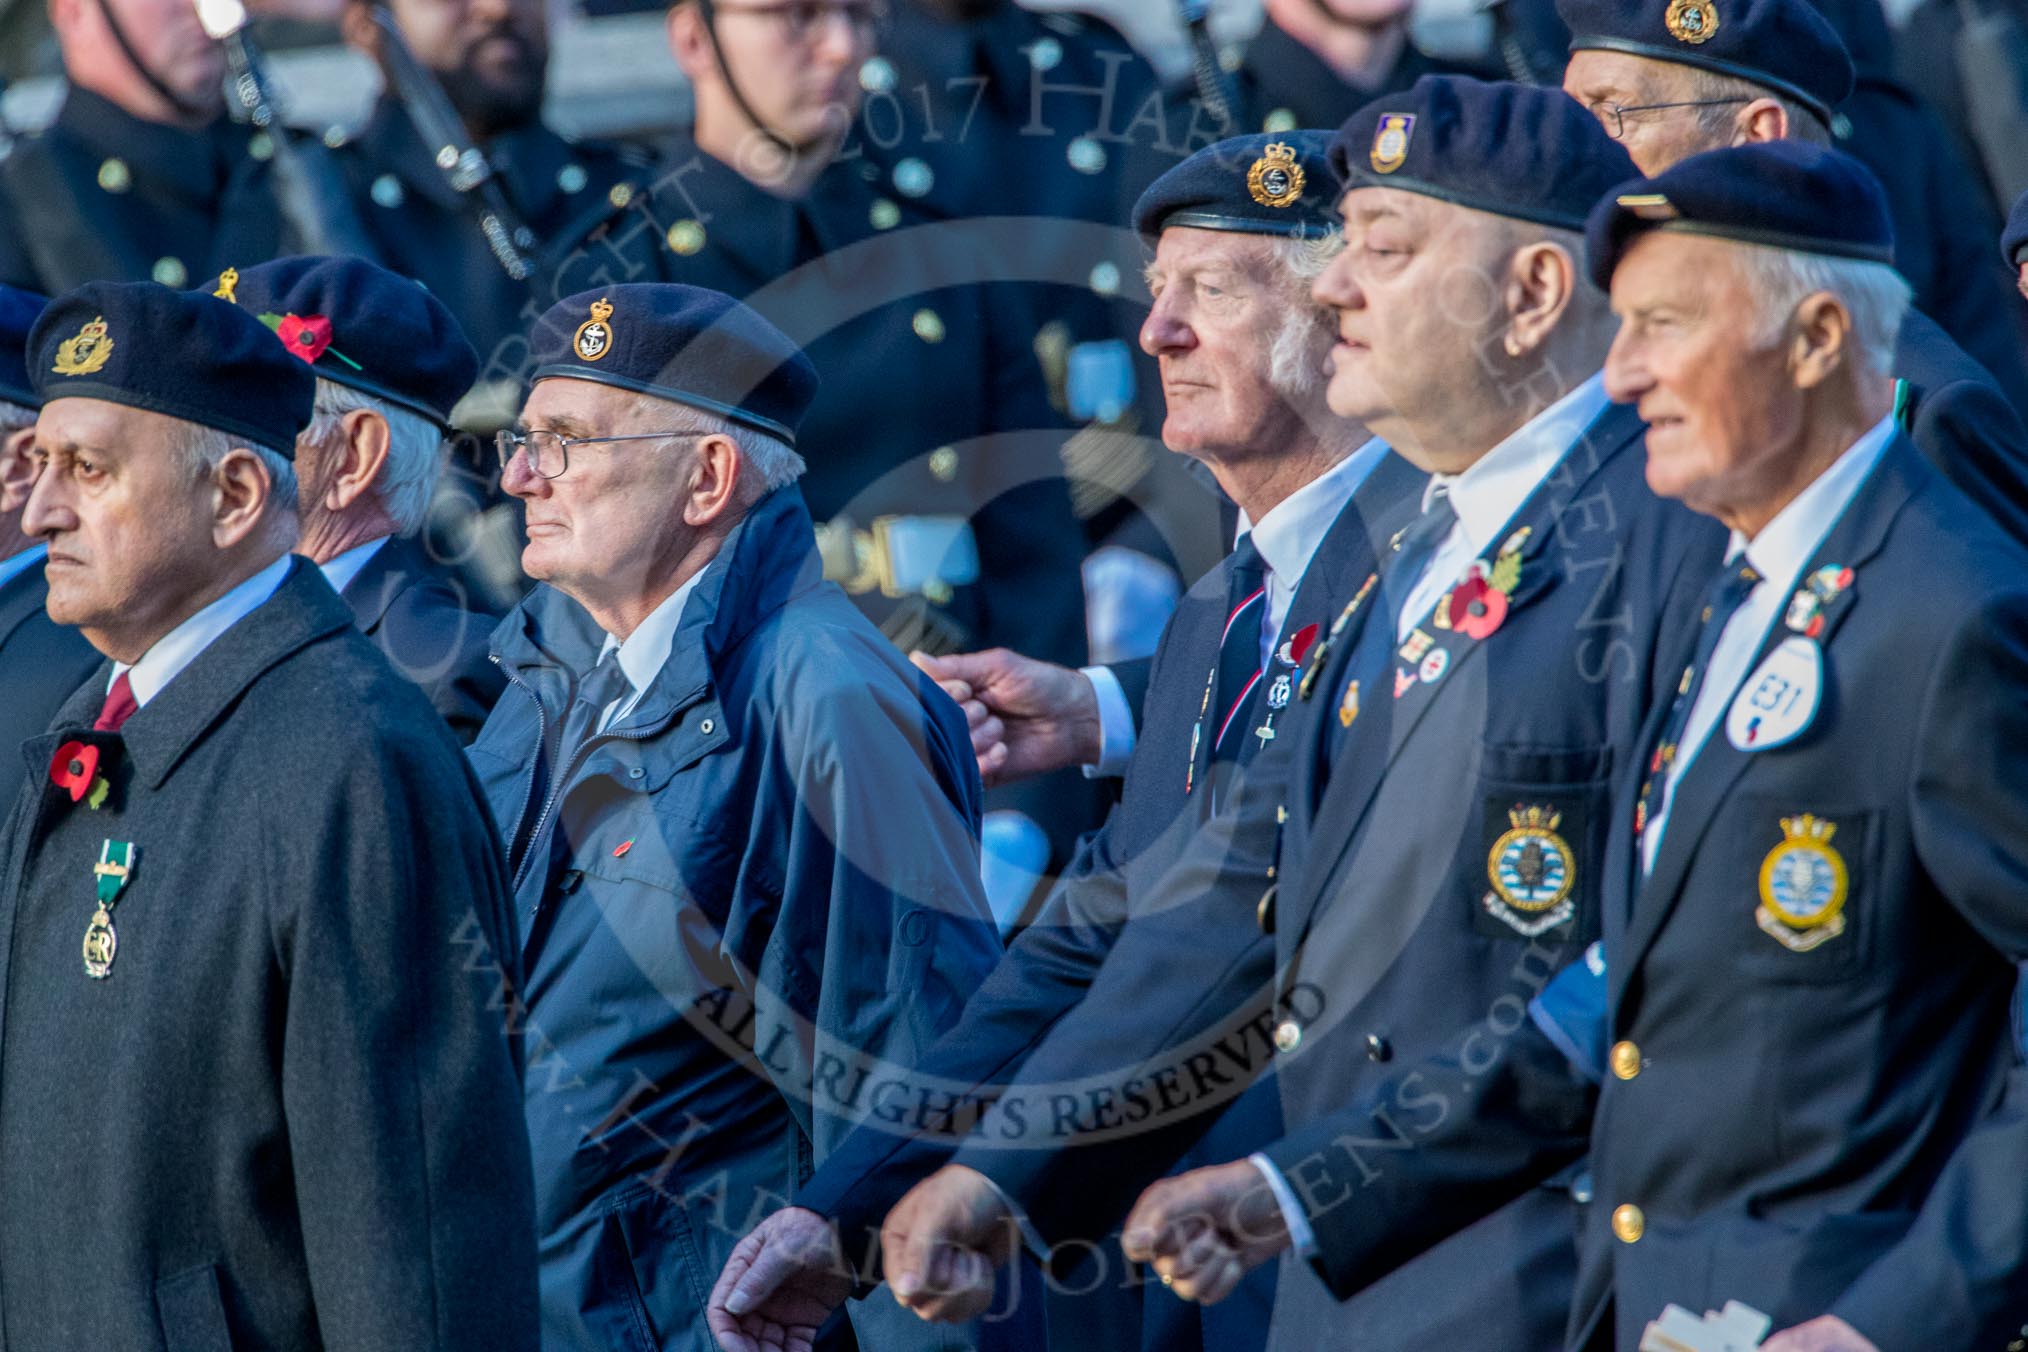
(1691, 21)
(1390, 142)
(1277, 183)
(1275, 179)
(87, 352)
(686, 344)
(1519, 151)
(1781, 194)
(182, 354)
(1784, 46)
(593, 338)
(360, 325)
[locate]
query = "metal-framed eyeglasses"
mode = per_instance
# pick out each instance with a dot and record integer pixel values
(549, 452)
(1612, 116)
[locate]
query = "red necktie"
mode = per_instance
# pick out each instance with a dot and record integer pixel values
(120, 706)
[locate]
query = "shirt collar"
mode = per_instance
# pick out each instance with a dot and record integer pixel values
(647, 648)
(177, 649)
(1487, 495)
(1786, 543)
(1288, 536)
(344, 570)
(14, 565)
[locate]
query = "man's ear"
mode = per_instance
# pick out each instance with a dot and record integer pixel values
(242, 497)
(17, 471)
(690, 41)
(716, 479)
(1541, 279)
(1822, 341)
(355, 459)
(356, 26)
(1761, 120)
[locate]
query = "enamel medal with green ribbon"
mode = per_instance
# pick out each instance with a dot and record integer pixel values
(101, 942)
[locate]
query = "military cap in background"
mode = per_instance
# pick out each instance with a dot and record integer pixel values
(1784, 45)
(1261, 185)
(18, 310)
(178, 353)
(1513, 150)
(359, 325)
(1783, 194)
(685, 343)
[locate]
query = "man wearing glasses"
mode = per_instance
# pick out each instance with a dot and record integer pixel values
(741, 828)
(1671, 78)
(940, 491)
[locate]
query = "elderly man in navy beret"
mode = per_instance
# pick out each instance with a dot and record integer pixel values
(253, 1074)
(1240, 232)
(390, 363)
(41, 661)
(1670, 78)
(1791, 1057)
(1440, 838)
(743, 829)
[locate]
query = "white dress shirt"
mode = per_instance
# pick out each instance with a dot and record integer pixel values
(1487, 495)
(14, 565)
(1778, 554)
(1287, 538)
(178, 648)
(342, 571)
(646, 650)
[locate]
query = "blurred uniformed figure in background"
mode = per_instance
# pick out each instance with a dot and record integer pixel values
(938, 479)
(489, 59)
(41, 661)
(390, 364)
(1314, 62)
(1670, 78)
(141, 176)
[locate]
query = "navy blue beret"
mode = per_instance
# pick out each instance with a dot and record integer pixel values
(1785, 194)
(359, 325)
(685, 343)
(18, 310)
(179, 353)
(1514, 150)
(1782, 45)
(2016, 236)
(1258, 185)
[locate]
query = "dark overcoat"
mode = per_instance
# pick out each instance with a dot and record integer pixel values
(287, 1117)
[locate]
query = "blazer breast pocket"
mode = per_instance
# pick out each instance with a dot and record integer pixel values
(1542, 832)
(1797, 884)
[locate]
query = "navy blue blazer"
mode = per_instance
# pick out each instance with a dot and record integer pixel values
(1960, 418)
(1047, 969)
(1825, 1117)
(41, 663)
(429, 633)
(1382, 941)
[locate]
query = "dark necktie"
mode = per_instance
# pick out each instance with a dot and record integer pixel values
(1722, 600)
(1238, 650)
(1400, 570)
(120, 706)
(1415, 547)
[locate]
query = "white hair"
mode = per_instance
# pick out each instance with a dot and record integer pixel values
(14, 417)
(1293, 368)
(773, 461)
(415, 451)
(205, 448)
(1874, 294)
